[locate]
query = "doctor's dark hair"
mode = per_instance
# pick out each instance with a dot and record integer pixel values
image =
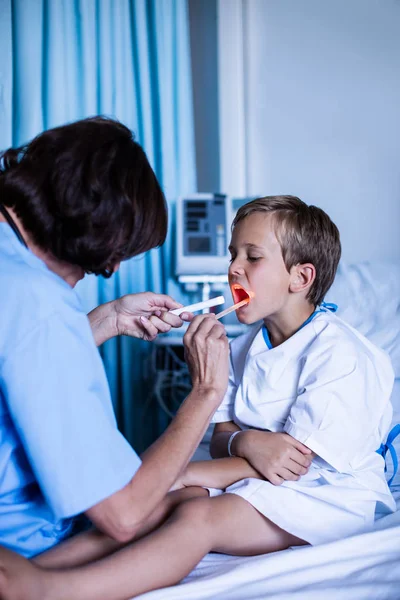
(306, 235)
(87, 193)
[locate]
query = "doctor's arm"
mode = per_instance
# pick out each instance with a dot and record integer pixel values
(130, 315)
(206, 349)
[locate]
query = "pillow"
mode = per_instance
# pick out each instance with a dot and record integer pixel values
(368, 298)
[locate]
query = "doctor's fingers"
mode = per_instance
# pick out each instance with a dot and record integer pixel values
(204, 326)
(149, 331)
(159, 324)
(204, 322)
(152, 327)
(166, 317)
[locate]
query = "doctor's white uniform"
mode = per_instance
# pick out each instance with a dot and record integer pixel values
(328, 387)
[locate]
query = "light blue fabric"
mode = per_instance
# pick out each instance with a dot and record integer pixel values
(130, 59)
(60, 449)
(388, 446)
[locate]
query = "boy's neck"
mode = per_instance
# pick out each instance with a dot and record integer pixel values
(282, 326)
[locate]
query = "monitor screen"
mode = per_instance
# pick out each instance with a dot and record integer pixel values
(199, 245)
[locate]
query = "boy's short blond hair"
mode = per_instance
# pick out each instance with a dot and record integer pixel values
(306, 235)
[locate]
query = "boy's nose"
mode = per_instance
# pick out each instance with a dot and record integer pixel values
(236, 267)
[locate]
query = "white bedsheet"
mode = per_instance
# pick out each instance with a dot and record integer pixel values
(363, 567)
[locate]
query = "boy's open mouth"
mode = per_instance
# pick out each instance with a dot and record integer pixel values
(239, 293)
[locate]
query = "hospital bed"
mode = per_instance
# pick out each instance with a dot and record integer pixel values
(362, 567)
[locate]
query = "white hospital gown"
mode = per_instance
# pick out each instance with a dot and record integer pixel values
(328, 387)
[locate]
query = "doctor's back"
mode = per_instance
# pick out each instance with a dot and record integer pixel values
(55, 411)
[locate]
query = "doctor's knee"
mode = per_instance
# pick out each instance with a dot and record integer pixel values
(196, 513)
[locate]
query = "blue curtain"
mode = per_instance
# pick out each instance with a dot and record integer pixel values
(63, 60)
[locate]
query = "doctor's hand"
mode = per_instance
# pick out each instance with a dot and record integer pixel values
(146, 315)
(207, 354)
(135, 315)
(277, 456)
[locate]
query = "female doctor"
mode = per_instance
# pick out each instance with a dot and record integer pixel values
(80, 199)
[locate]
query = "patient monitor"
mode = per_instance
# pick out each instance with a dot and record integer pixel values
(203, 232)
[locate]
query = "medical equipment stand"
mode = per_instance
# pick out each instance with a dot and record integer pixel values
(207, 284)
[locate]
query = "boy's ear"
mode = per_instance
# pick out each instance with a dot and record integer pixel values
(302, 277)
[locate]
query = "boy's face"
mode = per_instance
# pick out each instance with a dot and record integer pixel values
(257, 265)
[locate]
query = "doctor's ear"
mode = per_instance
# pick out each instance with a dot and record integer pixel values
(302, 277)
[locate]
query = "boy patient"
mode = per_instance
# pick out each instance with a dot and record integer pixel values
(299, 373)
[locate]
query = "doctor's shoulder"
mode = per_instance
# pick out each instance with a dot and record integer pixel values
(37, 293)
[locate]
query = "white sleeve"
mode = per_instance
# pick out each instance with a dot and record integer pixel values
(225, 411)
(343, 395)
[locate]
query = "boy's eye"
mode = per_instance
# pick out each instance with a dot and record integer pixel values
(249, 258)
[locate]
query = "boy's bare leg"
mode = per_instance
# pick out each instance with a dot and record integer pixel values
(92, 545)
(225, 524)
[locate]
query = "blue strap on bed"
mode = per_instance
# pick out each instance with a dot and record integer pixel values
(389, 446)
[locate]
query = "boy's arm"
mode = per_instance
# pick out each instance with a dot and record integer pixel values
(218, 473)
(345, 390)
(277, 457)
(220, 438)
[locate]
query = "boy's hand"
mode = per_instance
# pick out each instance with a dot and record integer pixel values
(277, 456)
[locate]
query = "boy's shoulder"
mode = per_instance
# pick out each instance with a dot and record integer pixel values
(334, 336)
(327, 335)
(328, 327)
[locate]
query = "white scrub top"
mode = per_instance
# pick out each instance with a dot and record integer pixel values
(60, 450)
(328, 387)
